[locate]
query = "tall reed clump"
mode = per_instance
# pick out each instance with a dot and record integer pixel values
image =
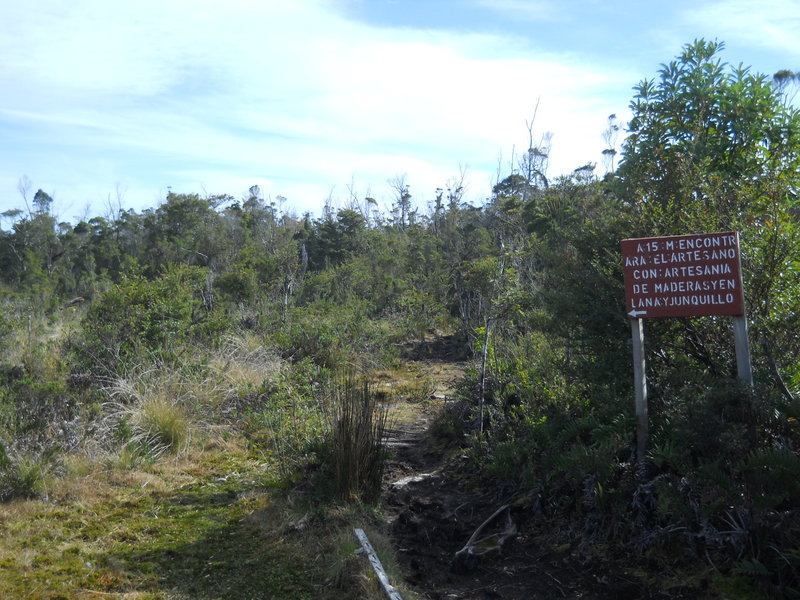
(357, 425)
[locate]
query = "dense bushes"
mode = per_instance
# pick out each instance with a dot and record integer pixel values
(719, 482)
(139, 320)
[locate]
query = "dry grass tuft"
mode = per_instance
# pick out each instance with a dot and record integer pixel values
(153, 424)
(158, 411)
(245, 363)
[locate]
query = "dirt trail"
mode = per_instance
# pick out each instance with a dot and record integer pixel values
(433, 510)
(433, 513)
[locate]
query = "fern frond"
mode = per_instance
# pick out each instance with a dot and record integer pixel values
(770, 458)
(752, 568)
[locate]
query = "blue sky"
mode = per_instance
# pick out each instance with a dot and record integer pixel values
(110, 104)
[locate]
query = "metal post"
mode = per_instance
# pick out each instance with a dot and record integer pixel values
(640, 387)
(743, 365)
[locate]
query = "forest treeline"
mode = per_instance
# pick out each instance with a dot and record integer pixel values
(529, 285)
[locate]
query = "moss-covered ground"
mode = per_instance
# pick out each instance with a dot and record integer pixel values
(217, 520)
(207, 525)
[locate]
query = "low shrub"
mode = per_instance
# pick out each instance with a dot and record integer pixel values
(23, 477)
(139, 321)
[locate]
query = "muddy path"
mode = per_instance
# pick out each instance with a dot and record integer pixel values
(433, 511)
(434, 507)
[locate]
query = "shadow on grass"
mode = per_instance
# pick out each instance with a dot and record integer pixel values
(202, 546)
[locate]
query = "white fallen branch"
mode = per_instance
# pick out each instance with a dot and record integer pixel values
(476, 546)
(391, 592)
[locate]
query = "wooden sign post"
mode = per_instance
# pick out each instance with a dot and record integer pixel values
(640, 387)
(682, 276)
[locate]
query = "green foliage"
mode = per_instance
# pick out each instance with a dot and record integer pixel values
(773, 478)
(716, 148)
(308, 417)
(32, 404)
(575, 230)
(6, 327)
(25, 477)
(237, 285)
(535, 276)
(37, 409)
(330, 242)
(711, 149)
(5, 462)
(331, 335)
(698, 132)
(139, 320)
(419, 313)
(288, 419)
(185, 229)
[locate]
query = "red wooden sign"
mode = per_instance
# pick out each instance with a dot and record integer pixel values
(683, 275)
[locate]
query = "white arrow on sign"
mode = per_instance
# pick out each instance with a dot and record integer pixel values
(635, 313)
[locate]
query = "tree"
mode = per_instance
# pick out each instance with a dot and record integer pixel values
(787, 82)
(42, 201)
(717, 148)
(330, 242)
(29, 252)
(185, 229)
(610, 137)
(404, 215)
(533, 164)
(511, 193)
(700, 133)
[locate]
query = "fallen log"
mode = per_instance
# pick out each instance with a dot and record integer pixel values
(388, 588)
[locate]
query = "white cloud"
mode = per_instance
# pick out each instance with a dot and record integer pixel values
(292, 95)
(768, 24)
(531, 10)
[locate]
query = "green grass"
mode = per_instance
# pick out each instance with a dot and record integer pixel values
(207, 525)
(178, 531)
(214, 516)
